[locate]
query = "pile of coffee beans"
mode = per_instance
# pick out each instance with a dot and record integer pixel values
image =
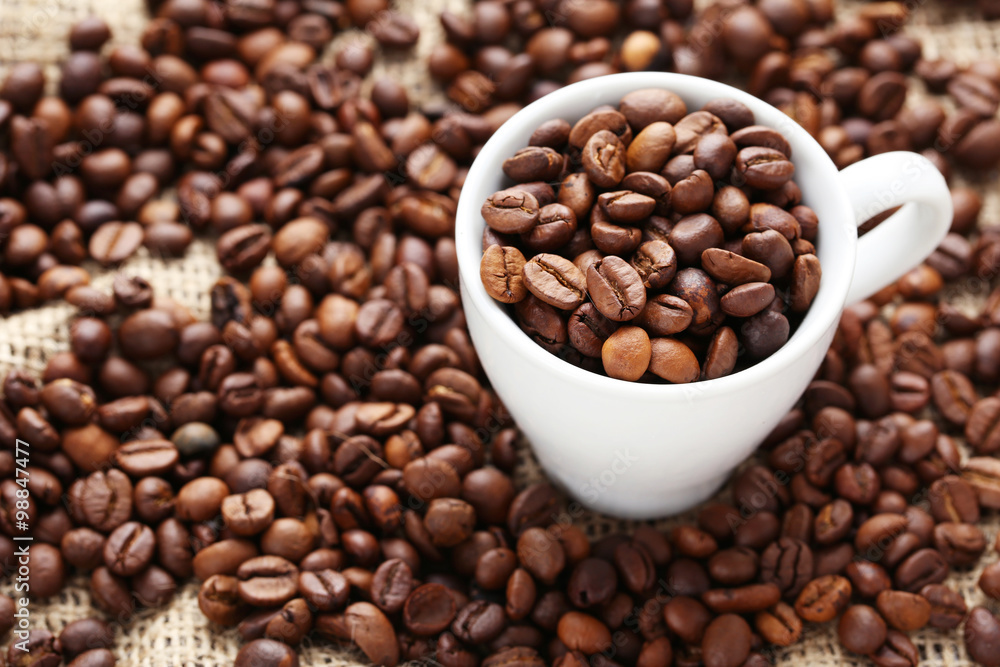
(323, 453)
(675, 242)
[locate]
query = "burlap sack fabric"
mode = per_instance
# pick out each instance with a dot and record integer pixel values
(179, 635)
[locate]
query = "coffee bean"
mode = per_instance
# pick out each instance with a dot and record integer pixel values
(581, 632)
(693, 193)
(975, 93)
(534, 163)
(765, 168)
(727, 641)
(823, 598)
(743, 599)
(953, 499)
(555, 280)
(947, 606)
(903, 611)
(747, 299)
(861, 629)
(779, 625)
(960, 544)
(922, 567)
(604, 159)
(673, 361)
(616, 288)
(83, 635)
(651, 147)
(981, 635)
(511, 211)
(664, 315)
(148, 457)
(626, 354)
(267, 581)
(898, 649)
(266, 653)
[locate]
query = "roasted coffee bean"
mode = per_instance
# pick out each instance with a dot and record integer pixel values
(953, 395)
(765, 168)
(903, 611)
(266, 652)
(267, 581)
(604, 159)
(982, 631)
(779, 625)
(616, 288)
(555, 280)
(947, 606)
(581, 632)
(627, 353)
(83, 635)
(129, 549)
(823, 598)
(922, 567)
(511, 211)
(861, 630)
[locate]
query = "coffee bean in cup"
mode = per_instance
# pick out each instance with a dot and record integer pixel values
(669, 249)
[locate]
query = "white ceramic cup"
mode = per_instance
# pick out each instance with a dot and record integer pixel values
(642, 451)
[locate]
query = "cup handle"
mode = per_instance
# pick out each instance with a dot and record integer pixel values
(908, 236)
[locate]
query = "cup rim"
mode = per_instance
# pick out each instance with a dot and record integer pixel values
(826, 307)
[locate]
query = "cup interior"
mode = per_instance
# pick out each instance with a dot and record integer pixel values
(815, 173)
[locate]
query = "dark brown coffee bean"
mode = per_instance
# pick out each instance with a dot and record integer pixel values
(953, 395)
(744, 599)
(747, 299)
(789, 564)
(616, 288)
(429, 609)
(727, 641)
(625, 206)
(861, 630)
(664, 315)
(960, 544)
(693, 193)
(765, 168)
(947, 606)
(266, 652)
(980, 429)
(733, 269)
(534, 163)
(869, 579)
(511, 211)
(556, 226)
(588, 329)
(391, 585)
(976, 93)
(692, 128)
(267, 581)
(982, 636)
(114, 242)
(478, 622)
(604, 159)
(953, 499)
(83, 635)
(922, 567)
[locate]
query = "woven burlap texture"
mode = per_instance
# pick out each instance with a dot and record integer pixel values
(178, 635)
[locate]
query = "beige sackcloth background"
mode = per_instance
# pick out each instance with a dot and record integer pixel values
(178, 635)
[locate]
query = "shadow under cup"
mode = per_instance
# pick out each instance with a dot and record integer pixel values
(638, 450)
